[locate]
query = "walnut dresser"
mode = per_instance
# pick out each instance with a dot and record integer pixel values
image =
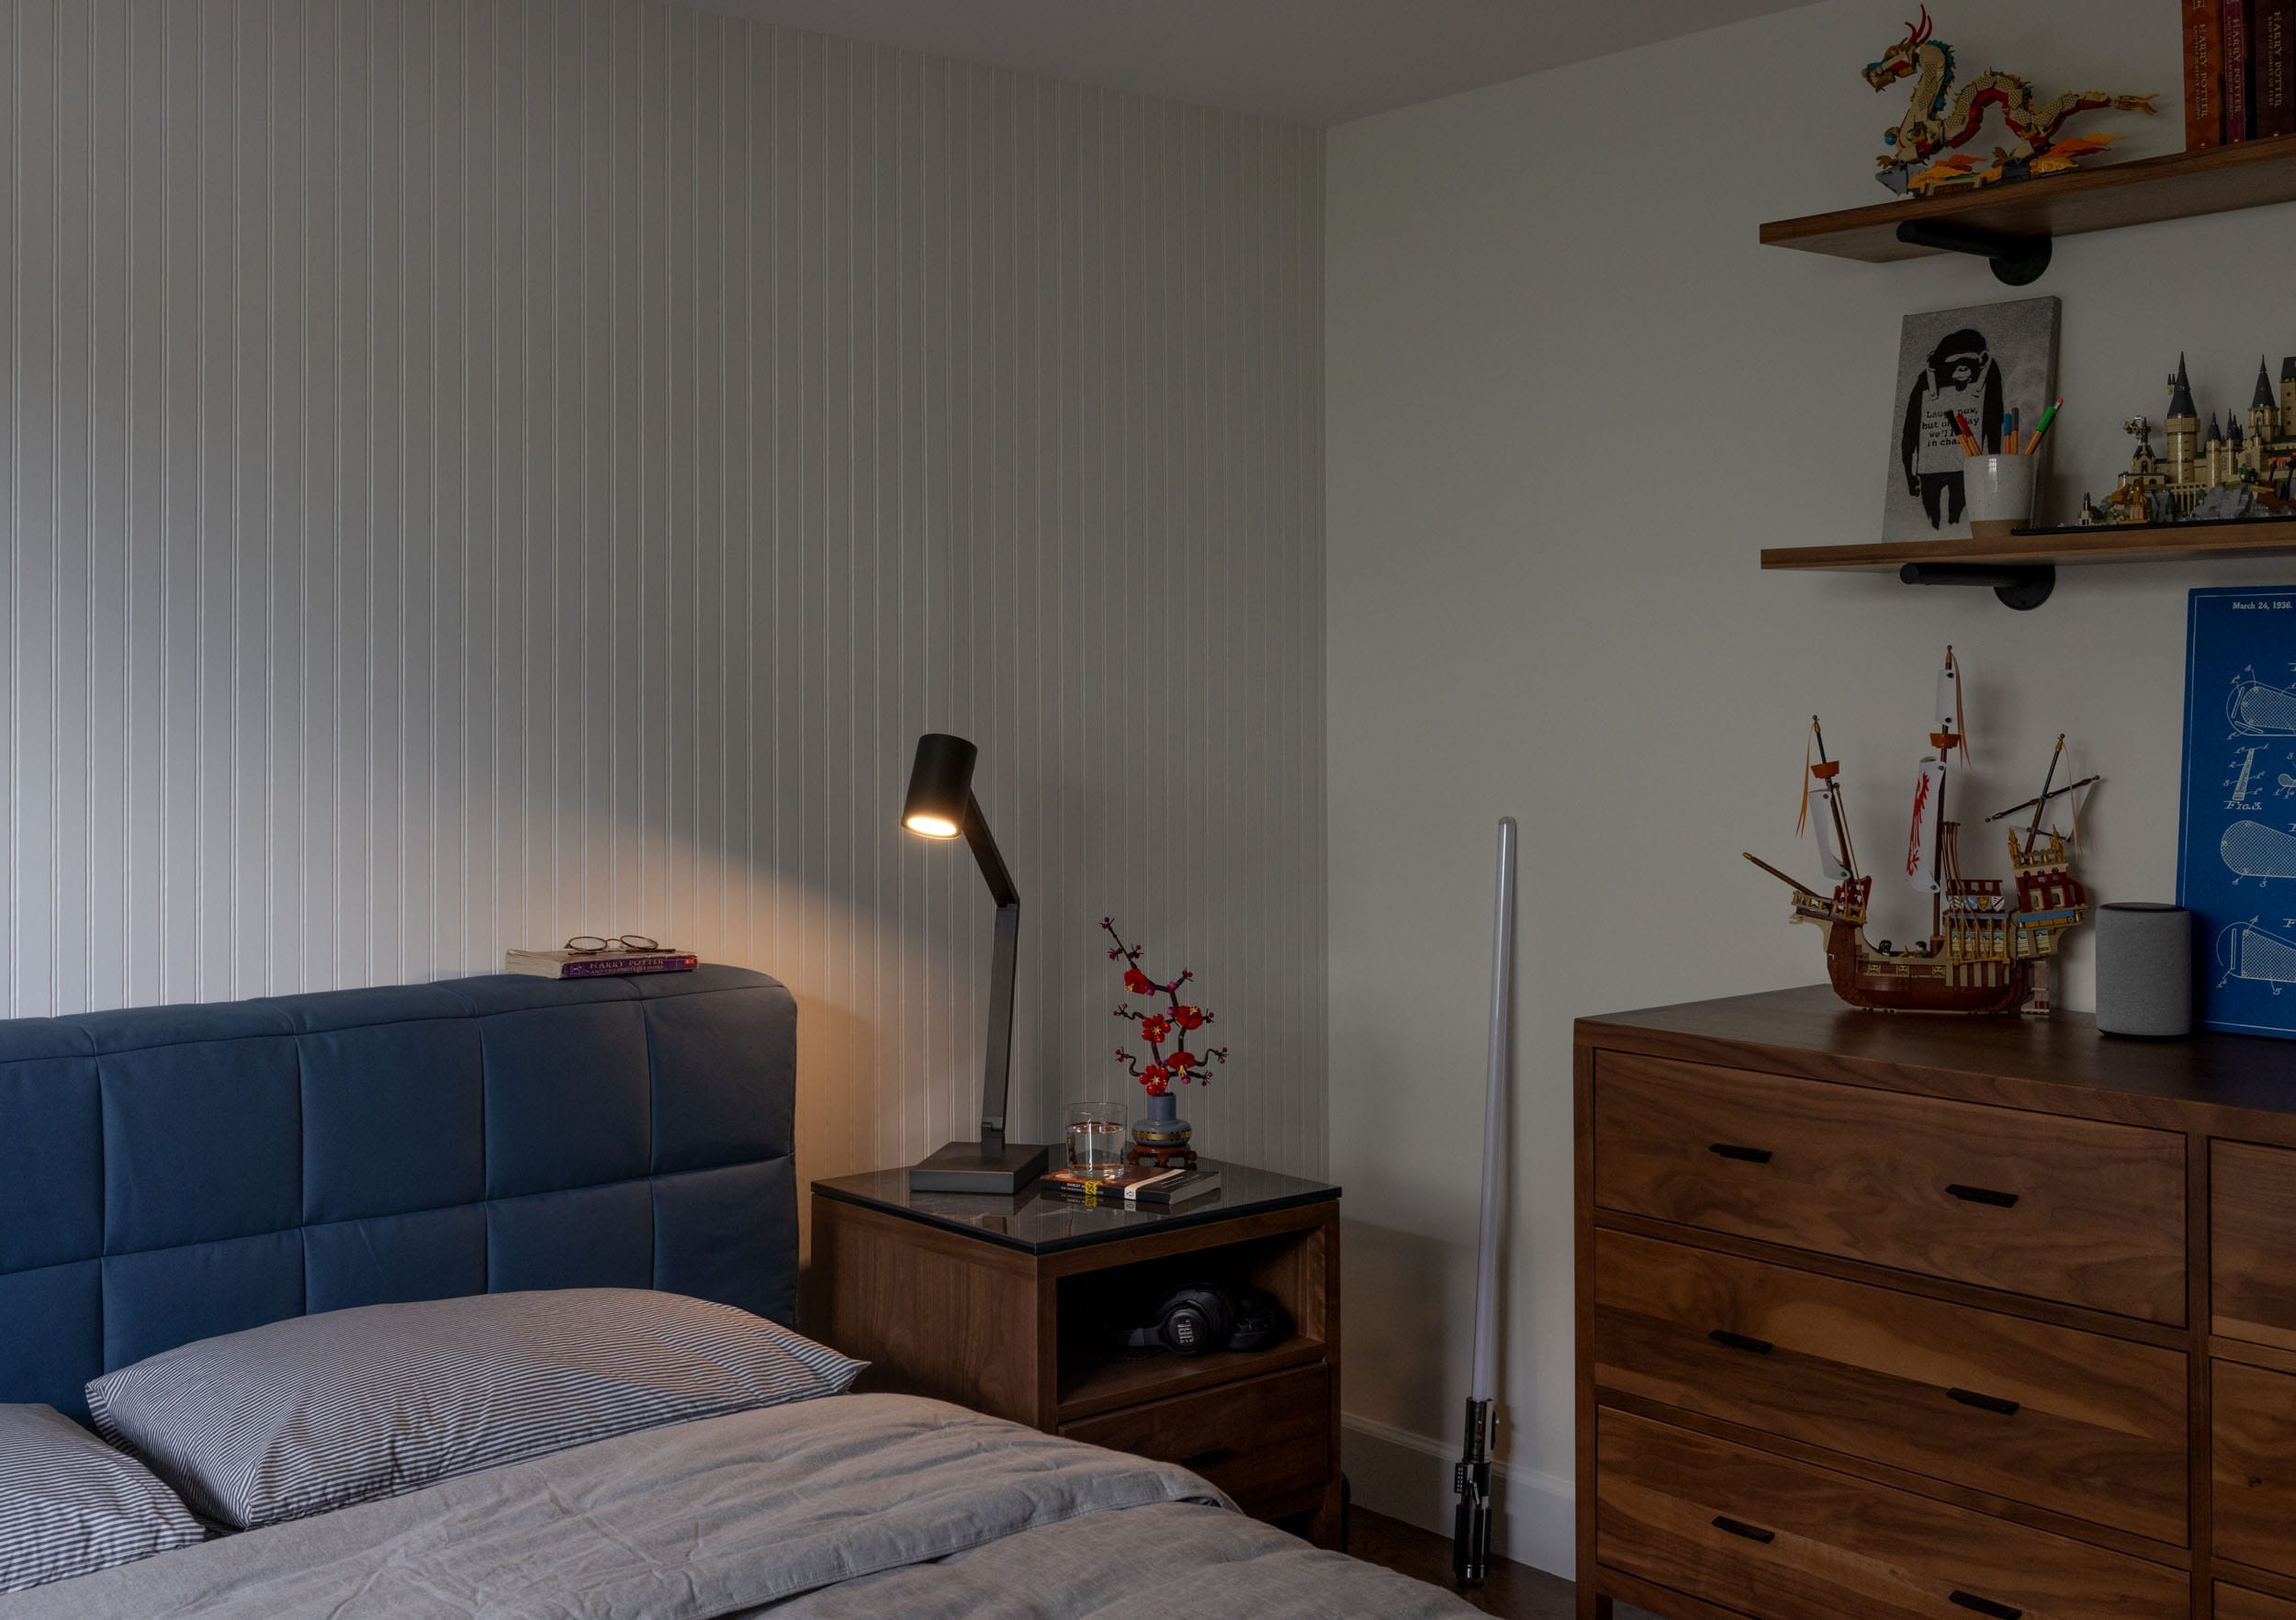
(1884, 1317)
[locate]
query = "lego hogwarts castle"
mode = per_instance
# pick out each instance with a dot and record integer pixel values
(2238, 468)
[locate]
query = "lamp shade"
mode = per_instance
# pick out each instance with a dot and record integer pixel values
(941, 785)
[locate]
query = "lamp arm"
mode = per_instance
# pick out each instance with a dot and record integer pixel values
(996, 1073)
(982, 844)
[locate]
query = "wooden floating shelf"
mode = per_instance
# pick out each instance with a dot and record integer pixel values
(2180, 186)
(2030, 547)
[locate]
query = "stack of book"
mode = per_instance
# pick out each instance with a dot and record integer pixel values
(577, 964)
(1133, 1187)
(2239, 70)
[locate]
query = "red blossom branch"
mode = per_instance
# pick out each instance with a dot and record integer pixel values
(1174, 1023)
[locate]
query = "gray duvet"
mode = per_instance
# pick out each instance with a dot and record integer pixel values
(860, 1506)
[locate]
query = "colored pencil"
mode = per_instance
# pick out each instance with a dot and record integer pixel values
(2047, 417)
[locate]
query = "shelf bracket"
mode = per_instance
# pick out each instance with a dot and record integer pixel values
(2016, 260)
(2023, 586)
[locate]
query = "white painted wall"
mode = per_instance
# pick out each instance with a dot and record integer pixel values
(1569, 399)
(474, 471)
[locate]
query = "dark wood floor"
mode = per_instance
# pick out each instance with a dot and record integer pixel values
(1513, 1591)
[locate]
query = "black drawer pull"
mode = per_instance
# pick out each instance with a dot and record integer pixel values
(1741, 1342)
(1744, 1154)
(1739, 1527)
(1983, 1403)
(1982, 1195)
(1970, 1600)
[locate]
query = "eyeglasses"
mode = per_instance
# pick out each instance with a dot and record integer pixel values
(592, 944)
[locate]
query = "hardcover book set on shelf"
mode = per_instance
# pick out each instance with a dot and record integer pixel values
(2239, 70)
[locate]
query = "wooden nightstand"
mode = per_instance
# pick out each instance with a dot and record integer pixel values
(1017, 1307)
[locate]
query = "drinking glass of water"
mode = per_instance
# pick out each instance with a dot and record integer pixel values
(1096, 1137)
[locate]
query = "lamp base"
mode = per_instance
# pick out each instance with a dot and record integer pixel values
(979, 1167)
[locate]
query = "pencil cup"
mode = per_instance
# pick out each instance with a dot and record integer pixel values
(1999, 490)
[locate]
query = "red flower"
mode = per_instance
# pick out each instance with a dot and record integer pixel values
(1190, 1017)
(1154, 1029)
(1183, 1059)
(1154, 1078)
(1138, 983)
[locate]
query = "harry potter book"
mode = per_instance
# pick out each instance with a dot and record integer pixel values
(2235, 45)
(2203, 28)
(2272, 70)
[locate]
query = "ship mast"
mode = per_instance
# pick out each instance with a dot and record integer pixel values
(2070, 787)
(1826, 772)
(1796, 884)
(1944, 862)
(2041, 804)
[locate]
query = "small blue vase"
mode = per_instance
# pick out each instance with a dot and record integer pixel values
(1163, 1127)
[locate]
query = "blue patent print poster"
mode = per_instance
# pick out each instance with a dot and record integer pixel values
(2237, 860)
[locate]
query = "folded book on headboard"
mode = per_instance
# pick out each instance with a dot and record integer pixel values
(169, 1173)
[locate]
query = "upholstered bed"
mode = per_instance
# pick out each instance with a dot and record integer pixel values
(170, 1175)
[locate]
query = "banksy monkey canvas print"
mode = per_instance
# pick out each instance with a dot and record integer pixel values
(1982, 367)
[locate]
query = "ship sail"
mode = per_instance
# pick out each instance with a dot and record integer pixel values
(1821, 788)
(1925, 838)
(1833, 861)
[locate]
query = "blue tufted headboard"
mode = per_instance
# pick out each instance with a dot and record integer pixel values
(168, 1174)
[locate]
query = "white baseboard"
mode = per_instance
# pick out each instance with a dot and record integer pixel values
(1408, 1477)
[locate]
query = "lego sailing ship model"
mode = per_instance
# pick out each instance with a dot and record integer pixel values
(1990, 949)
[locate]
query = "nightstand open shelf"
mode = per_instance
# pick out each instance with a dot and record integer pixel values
(1094, 1308)
(1018, 1307)
(1105, 1383)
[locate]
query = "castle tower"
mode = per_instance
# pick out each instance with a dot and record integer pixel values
(2263, 416)
(2181, 427)
(2288, 395)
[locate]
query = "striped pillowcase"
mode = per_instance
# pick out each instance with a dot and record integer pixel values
(70, 1505)
(317, 1412)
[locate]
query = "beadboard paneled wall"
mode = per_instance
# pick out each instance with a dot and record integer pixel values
(483, 470)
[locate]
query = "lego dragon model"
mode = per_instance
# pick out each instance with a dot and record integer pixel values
(1930, 126)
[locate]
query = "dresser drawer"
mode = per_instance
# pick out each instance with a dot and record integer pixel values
(2237, 1602)
(1785, 1541)
(2068, 1210)
(2254, 1414)
(2252, 1211)
(1258, 1439)
(2073, 1422)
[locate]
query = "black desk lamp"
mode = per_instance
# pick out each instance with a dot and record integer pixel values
(941, 805)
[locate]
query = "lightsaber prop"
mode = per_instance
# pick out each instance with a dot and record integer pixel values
(1470, 1523)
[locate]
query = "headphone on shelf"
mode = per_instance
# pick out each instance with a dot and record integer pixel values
(1193, 1321)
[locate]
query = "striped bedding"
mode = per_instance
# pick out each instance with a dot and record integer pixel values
(70, 1506)
(859, 1505)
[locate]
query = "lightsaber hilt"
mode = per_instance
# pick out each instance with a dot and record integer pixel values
(1470, 1522)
